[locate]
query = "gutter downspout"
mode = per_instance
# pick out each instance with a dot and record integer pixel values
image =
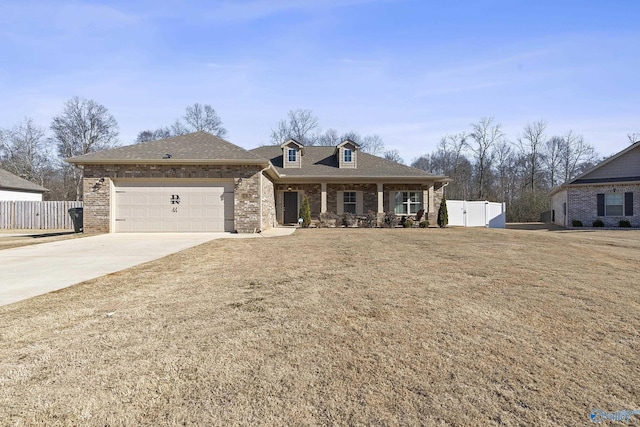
(260, 209)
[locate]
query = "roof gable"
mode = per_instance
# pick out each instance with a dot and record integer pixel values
(198, 147)
(621, 167)
(13, 182)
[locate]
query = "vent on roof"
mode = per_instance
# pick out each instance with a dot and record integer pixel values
(167, 156)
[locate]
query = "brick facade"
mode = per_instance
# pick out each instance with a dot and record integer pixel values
(97, 206)
(582, 204)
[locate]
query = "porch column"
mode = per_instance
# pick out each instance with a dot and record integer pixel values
(323, 197)
(380, 198)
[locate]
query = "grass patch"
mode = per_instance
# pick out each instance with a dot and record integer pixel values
(338, 326)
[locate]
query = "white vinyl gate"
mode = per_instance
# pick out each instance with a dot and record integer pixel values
(476, 214)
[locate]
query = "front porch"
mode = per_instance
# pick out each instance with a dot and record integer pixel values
(358, 199)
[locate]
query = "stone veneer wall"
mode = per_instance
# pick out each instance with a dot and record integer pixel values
(582, 204)
(96, 195)
(268, 204)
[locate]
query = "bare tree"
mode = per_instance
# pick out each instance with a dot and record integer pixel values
(83, 127)
(633, 137)
(198, 117)
(329, 138)
(575, 154)
(505, 168)
(204, 118)
(372, 144)
(301, 125)
(552, 159)
(531, 144)
(394, 156)
(483, 136)
(25, 151)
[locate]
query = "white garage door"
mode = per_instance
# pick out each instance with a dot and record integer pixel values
(171, 206)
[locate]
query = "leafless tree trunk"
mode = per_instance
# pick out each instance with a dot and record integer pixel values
(484, 135)
(530, 144)
(552, 159)
(574, 155)
(83, 127)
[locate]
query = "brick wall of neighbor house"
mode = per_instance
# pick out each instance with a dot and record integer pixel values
(582, 204)
(96, 204)
(268, 204)
(246, 197)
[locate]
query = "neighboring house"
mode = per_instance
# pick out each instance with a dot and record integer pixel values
(199, 182)
(14, 188)
(610, 192)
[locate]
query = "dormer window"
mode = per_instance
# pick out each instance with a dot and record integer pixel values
(348, 155)
(292, 152)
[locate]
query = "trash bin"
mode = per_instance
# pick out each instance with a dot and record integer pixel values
(76, 217)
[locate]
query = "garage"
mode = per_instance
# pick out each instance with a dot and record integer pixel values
(173, 206)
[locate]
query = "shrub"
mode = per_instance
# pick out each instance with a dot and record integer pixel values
(424, 224)
(443, 214)
(598, 223)
(371, 220)
(576, 223)
(328, 219)
(408, 223)
(390, 220)
(624, 223)
(349, 220)
(305, 212)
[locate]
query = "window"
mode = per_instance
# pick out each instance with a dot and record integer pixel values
(348, 155)
(613, 204)
(292, 154)
(349, 202)
(408, 202)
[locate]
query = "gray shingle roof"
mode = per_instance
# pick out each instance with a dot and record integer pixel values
(198, 146)
(14, 182)
(322, 162)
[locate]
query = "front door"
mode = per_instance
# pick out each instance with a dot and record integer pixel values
(290, 207)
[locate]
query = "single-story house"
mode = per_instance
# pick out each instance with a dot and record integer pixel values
(610, 192)
(14, 188)
(199, 182)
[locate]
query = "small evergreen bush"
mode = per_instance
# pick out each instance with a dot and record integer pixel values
(598, 223)
(408, 223)
(424, 224)
(305, 212)
(576, 223)
(443, 214)
(624, 223)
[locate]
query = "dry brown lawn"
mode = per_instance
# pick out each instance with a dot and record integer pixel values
(338, 327)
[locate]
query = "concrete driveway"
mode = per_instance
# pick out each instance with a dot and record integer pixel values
(35, 270)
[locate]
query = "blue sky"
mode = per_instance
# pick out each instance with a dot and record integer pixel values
(408, 70)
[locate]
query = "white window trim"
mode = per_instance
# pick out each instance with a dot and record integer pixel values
(344, 155)
(408, 203)
(291, 151)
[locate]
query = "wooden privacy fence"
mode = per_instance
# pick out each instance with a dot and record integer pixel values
(36, 215)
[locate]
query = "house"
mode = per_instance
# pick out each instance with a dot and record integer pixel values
(610, 192)
(199, 182)
(14, 188)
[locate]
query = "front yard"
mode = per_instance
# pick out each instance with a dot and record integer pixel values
(338, 326)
